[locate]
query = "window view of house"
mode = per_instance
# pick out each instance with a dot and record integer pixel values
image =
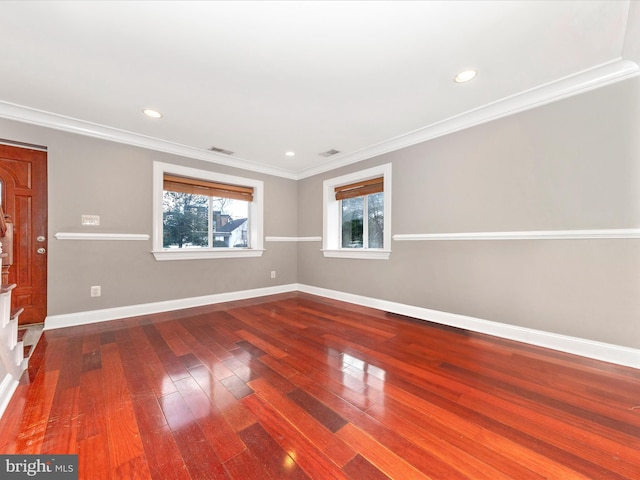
(196, 220)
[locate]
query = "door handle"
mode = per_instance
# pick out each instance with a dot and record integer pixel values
(41, 251)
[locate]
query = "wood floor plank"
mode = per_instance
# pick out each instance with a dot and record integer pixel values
(36, 413)
(10, 423)
(93, 457)
(260, 343)
(122, 429)
(279, 366)
(384, 459)
(218, 432)
(309, 426)
(313, 461)
(359, 467)
(163, 456)
(277, 462)
(616, 456)
(470, 457)
(234, 412)
(145, 371)
(295, 386)
(62, 427)
(245, 465)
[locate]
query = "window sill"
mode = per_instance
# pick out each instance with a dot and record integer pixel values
(368, 254)
(188, 254)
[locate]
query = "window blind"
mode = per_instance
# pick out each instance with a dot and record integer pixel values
(360, 189)
(193, 186)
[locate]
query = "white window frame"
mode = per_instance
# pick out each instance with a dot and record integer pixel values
(256, 214)
(332, 226)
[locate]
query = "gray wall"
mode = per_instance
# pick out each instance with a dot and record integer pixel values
(91, 176)
(573, 164)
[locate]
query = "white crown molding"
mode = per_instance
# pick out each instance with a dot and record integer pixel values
(606, 352)
(622, 233)
(104, 315)
(563, 88)
(41, 118)
(101, 236)
(581, 82)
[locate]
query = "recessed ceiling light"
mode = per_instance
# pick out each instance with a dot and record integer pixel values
(152, 113)
(290, 154)
(465, 76)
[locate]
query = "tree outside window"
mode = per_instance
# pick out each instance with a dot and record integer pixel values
(363, 221)
(199, 221)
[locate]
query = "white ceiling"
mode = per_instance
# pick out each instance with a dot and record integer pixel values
(261, 78)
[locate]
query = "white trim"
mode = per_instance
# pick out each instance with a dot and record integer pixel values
(361, 253)
(293, 239)
(94, 316)
(42, 118)
(205, 253)
(621, 233)
(28, 146)
(331, 215)
(606, 352)
(569, 86)
(7, 389)
(101, 236)
(581, 82)
(256, 215)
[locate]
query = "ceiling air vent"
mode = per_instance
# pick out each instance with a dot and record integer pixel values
(329, 153)
(221, 150)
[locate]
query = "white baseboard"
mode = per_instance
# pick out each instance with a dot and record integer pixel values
(606, 352)
(7, 387)
(94, 316)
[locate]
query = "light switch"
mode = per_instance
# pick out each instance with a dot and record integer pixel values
(91, 220)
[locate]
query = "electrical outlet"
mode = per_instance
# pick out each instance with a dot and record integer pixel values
(96, 291)
(273, 274)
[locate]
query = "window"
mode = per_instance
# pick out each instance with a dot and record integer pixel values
(357, 214)
(201, 214)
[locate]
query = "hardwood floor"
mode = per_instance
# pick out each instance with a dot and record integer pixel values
(296, 387)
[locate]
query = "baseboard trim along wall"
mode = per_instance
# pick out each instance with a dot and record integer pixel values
(606, 352)
(629, 357)
(7, 387)
(95, 316)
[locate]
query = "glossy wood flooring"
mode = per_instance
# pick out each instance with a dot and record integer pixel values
(295, 386)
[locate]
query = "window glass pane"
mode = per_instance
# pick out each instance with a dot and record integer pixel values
(230, 223)
(352, 222)
(185, 220)
(375, 207)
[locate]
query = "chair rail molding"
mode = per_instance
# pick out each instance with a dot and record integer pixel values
(293, 239)
(101, 236)
(620, 233)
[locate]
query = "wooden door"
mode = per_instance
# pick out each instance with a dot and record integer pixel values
(23, 184)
